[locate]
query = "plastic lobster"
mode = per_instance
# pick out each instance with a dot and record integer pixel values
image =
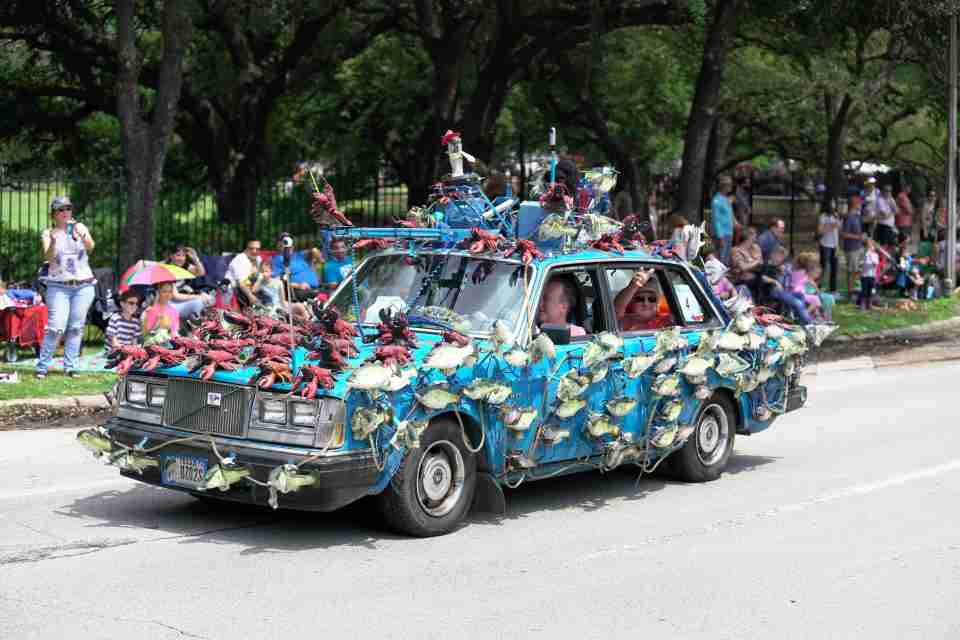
(161, 355)
(324, 209)
(211, 361)
(271, 372)
(125, 357)
(527, 250)
(393, 355)
(267, 351)
(607, 242)
(189, 344)
(481, 241)
(313, 377)
(395, 329)
(332, 324)
(455, 337)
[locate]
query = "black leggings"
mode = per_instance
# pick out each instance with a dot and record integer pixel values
(828, 257)
(866, 291)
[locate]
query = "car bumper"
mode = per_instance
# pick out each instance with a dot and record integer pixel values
(342, 477)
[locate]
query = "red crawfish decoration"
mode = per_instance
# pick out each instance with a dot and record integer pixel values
(324, 209)
(395, 329)
(333, 352)
(632, 231)
(267, 351)
(455, 337)
(126, 357)
(189, 343)
(607, 242)
(556, 193)
(766, 316)
(481, 241)
(271, 372)
(312, 377)
(331, 324)
(393, 355)
(527, 250)
(161, 355)
(213, 360)
(233, 345)
(377, 244)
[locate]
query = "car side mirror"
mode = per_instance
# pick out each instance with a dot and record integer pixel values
(558, 333)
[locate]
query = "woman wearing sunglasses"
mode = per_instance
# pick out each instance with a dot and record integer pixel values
(636, 304)
(66, 247)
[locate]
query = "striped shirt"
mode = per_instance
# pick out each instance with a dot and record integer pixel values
(125, 331)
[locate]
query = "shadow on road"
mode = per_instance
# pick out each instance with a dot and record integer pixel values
(256, 530)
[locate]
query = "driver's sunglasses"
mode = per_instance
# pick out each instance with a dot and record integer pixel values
(647, 299)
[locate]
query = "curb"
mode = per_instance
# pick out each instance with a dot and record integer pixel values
(841, 366)
(98, 401)
(916, 331)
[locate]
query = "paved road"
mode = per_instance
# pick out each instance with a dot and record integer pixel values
(841, 522)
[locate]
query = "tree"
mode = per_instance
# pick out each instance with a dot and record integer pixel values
(145, 127)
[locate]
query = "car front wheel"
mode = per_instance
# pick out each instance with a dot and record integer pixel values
(708, 449)
(433, 489)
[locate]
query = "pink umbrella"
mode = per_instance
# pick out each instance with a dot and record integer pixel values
(152, 274)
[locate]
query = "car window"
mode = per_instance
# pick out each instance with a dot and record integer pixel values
(690, 301)
(643, 308)
(581, 284)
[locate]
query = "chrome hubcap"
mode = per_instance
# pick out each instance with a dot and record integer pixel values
(440, 478)
(713, 433)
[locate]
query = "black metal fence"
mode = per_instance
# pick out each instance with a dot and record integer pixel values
(183, 216)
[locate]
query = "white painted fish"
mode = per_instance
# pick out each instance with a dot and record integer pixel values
(570, 408)
(666, 385)
(542, 347)
(366, 420)
(773, 331)
(498, 394)
(552, 434)
(672, 410)
(702, 392)
(593, 354)
(731, 341)
(729, 365)
(666, 364)
(517, 357)
(599, 373)
(744, 322)
(611, 342)
(599, 425)
(696, 366)
(620, 407)
(517, 419)
(402, 379)
(571, 386)
(437, 397)
(447, 356)
(370, 376)
(636, 366)
(664, 437)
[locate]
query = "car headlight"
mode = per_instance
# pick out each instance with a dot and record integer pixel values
(136, 392)
(273, 411)
(158, 393)
(303, 414)
(330, 424)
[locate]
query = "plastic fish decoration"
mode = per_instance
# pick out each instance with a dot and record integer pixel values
(756, 341)
(409, 432)
(791, 347)
(620, 407)
(501, 335)
(666, 385)
(663, 438)
(672, 410)
(731, 341)
(553, 434)
(287, 479)
(572, 385)
(542, 347)
(729, 365)
(599, 425)
(401, 380)
(708, 343)
(446, 356)
(366, 420)
(669, 340)
(773, 331)
(764, 374)
(599, 373)
(744, 322)
(593, 354)
(437, 397)
(479, 389)
(498, 394)
(132, 461)
(94, 441)
(517, 419)
(702, 392)
(665, 365)
(220, 477)
(636, 366)
(517, 357)
(611, 342)
(570, 408)
(371, 376)
(696, 367)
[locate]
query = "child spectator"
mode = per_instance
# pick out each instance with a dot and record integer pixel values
(716, 273)
(161, 320)
(805, 264)
(775, 280)
(270, 293)
(124, 325)
(827, 300)
(868, 274)
(915, 283)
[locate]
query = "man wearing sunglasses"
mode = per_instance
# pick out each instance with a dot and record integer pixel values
(636, 304)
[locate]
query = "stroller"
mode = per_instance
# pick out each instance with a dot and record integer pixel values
(104, 305)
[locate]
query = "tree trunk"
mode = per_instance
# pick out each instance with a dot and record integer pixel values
(836, 142)
(144, 142)
(703, 110)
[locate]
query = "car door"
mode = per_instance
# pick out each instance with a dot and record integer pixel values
(562, 437)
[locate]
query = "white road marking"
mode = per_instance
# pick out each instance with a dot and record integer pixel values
(849, 492)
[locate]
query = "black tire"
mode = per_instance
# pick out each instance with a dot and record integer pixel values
(412, 507)
(707, 451)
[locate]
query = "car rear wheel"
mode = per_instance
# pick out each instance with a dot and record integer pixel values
(709, 447)
(433, 489)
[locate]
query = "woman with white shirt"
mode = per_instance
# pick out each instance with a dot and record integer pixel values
(828, 229)
(70, 284)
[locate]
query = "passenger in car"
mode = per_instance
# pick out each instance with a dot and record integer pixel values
(556, 303)
(637, 303)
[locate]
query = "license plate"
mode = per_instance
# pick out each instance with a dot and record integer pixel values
(183, 471)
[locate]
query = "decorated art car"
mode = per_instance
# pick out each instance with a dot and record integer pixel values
(453, 362)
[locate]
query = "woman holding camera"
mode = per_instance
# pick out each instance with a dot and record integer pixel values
(66, 247)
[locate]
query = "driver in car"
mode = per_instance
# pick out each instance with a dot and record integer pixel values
(555, 305)
(636, 304)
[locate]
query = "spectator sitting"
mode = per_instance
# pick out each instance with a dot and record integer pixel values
(905, 262)
(827, 300)
(771, 238)
(800, 278)
(243, 266)
(716, 273)
(775, 281)
(338, 266)
(269, 291)
(745, 259)
(915, 283)
(187, 301)
(123, 327)
(303, 276)
(161, 320)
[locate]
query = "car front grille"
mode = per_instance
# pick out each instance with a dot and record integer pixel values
(207, 407)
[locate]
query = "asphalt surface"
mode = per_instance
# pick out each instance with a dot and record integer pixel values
(839, 522)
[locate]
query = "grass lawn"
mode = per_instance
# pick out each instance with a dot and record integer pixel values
(56, 385)
(853, 321)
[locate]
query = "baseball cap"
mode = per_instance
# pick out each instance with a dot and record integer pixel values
(60, 202)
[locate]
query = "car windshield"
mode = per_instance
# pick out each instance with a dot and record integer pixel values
(465, 292)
